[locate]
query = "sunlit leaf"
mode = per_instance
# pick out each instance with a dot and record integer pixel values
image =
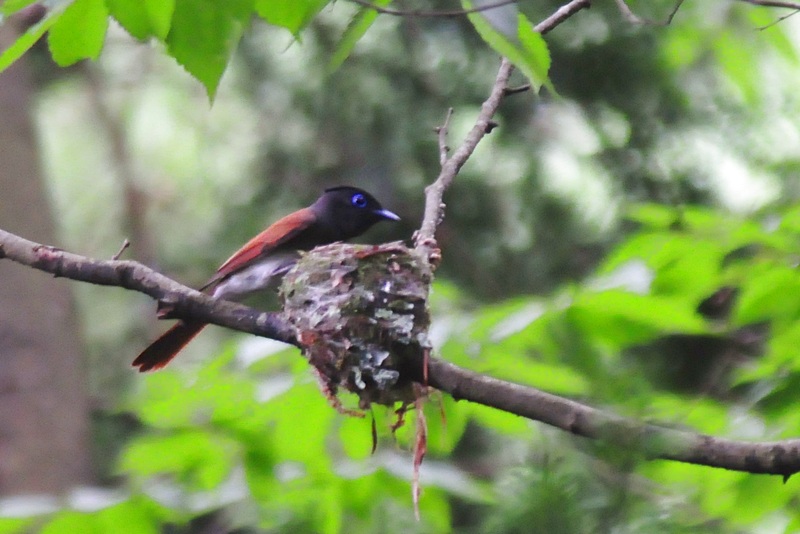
(204, 35)
(160, 15)
(79, 32)
(737, 60)
(518, 42)
(69, 521)
(143, 19)
(500, 421)
(293, 15)
(771, 293)
(31, 36)
(137, 515)
(194, 457)
(10, 7)
(355, 30)
(622, 319)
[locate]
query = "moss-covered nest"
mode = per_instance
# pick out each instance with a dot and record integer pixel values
(361, 315)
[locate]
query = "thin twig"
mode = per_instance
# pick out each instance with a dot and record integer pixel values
(434, 208)
(773, 3)
(778, 20)
(508, 91)
(125, 245)
(441, 132)
(633, 18)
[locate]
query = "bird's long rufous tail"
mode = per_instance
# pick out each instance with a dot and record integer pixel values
(162, 350)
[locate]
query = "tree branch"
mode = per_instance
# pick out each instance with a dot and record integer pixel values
(434, 208)
(184, 302)
(778, 457)
(772, 3)
(655, 442)
(633, 18)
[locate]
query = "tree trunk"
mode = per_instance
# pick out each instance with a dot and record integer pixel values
(44, 418)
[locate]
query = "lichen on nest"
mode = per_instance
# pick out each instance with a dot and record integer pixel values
(361, 315)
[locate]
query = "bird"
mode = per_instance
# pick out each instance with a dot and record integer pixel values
(339, 214)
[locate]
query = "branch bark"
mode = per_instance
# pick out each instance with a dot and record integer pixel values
(425, 240)
(184, 302)
(656, 442)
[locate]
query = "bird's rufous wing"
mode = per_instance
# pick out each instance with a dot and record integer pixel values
(277, 234)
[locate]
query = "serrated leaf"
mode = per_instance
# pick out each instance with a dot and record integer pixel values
(79, 32)
(355, 30)
(523, 46)
(204, 35)
(536, 54)
(132, 16)
(160, 14)
(30, 37)
(143, 19)
(293, 15)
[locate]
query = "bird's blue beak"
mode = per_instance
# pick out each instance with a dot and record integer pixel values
(386, 214)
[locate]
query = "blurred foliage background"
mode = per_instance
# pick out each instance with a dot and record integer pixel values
(631, 243)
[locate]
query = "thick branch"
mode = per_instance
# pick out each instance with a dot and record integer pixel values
(778, 457)
(185, 302)
(434, 208)
(655, 442)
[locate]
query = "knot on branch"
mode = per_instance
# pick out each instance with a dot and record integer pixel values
(360, 313)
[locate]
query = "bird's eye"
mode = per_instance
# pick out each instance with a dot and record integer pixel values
(359, 200)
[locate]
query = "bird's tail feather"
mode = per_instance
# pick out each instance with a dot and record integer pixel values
(166, 347)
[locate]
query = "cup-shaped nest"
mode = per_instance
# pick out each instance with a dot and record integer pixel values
(360, 313)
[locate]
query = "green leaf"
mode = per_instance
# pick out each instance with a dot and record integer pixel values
(137, 515)
(132, 16)
(160, 14)
(143, 19)
(736, 57)
(293, 15)
(300, 419)
(9, 525)
(536, 55)
(621, 319)
(526, 49)
(770, 294)
(30, 37)
(654, 216)
(196, 457)
(9, 7)
(204, 35)
(685, 266)
(79, 32)
(355, 31)
(498, 420)
(69, 521)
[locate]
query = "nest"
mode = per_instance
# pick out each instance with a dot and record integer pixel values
(360, 313)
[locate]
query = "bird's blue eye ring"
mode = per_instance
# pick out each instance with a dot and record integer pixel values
(359, 200)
